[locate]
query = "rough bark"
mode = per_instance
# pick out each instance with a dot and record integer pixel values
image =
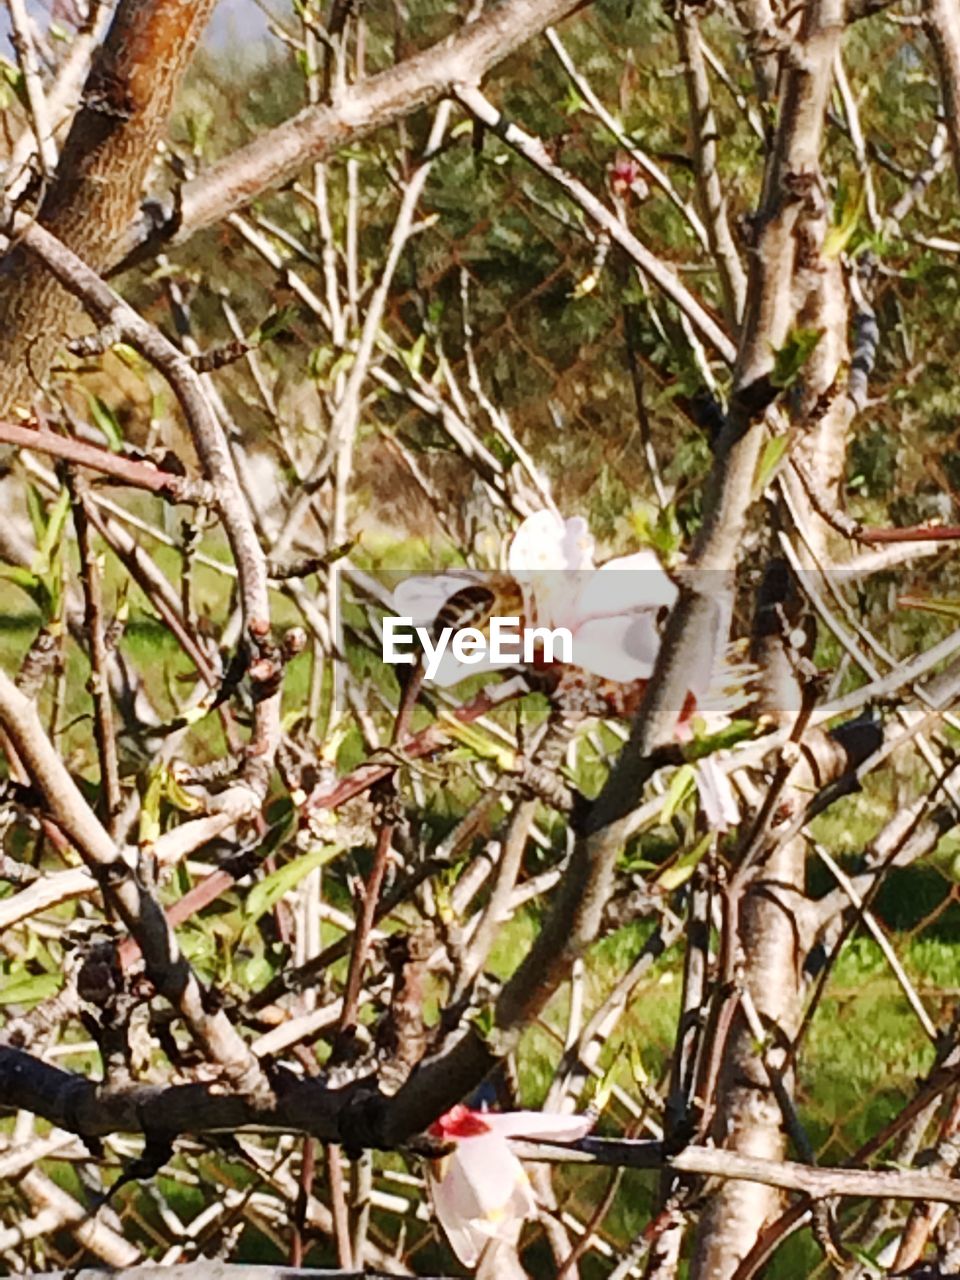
(96, 193)
(749, 1115)
(943, 27)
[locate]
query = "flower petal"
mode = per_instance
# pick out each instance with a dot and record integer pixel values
(450, 670)
(620, 648)
(480, 1192)
(706, 670)
(716, 795)
(578, 545)
(537, 543)
(539, 1124)
(465, 1237)
(624, 585)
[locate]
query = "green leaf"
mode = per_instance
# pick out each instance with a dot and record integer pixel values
(264, 896)
(53, 532)
(866, 1260)
(21, 577)
(681, 785)
(793, 355)
(255, 973)
(12, 76)
(725, 738)
(413, 358)
(838, 236)
(679, 872)
(770, 459)
(484, 1022)
(198, 129)
(278, 321)
(106, 421)
(38, 518)
(30, 990)
(149, 827)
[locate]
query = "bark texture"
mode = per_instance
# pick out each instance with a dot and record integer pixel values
(96, 193)
(943, 27)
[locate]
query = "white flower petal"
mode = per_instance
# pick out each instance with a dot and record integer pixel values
(463, 1232)
(706, 670)
(538, 544)
(578, 545)
(481, 1193)
(621, 648)
(624, 585)
(538, 1124)
(716, 795)
(451, 670)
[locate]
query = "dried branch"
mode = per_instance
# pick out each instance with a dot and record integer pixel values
(214, 453)
(134, 902)
(942, 20)
(356, 110)
(139, 474)
(662, 275)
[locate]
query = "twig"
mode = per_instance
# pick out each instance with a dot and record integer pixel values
(136, 905)
(212, 447)
(99, 683)
(663, 275)
(36, 98)
(141, 475)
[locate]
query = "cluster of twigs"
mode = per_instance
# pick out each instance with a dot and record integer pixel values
(262, 925)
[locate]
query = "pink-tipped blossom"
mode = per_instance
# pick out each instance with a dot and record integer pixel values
(480, 1191)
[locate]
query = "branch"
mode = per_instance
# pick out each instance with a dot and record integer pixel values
(84, 1107)
(123, 887)
(356, 111)
(211, 445)
(663, 275)
(139, 474)
(943, 28)
(710, 194)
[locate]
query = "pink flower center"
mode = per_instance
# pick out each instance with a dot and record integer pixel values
(459, 1122)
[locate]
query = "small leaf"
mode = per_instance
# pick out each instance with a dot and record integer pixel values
(585, 286)
(38, 519)
(793, 355)
(130, 356)
(770, 459)
(484, 1022)
(679, 872)
(681, 785)
(198, 129)
(264, 896)
(149, 827)
(736, 731)
(21, 577)
(179, 797)
(106, 421)
(480, 743)
(838, 236)
(277, 322)
(945, 606)
(53, 532)
(30, 990)
(413, 358)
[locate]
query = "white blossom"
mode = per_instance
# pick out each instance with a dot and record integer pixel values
(480, 1191)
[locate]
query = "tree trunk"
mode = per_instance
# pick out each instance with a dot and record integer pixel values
(96, 192)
